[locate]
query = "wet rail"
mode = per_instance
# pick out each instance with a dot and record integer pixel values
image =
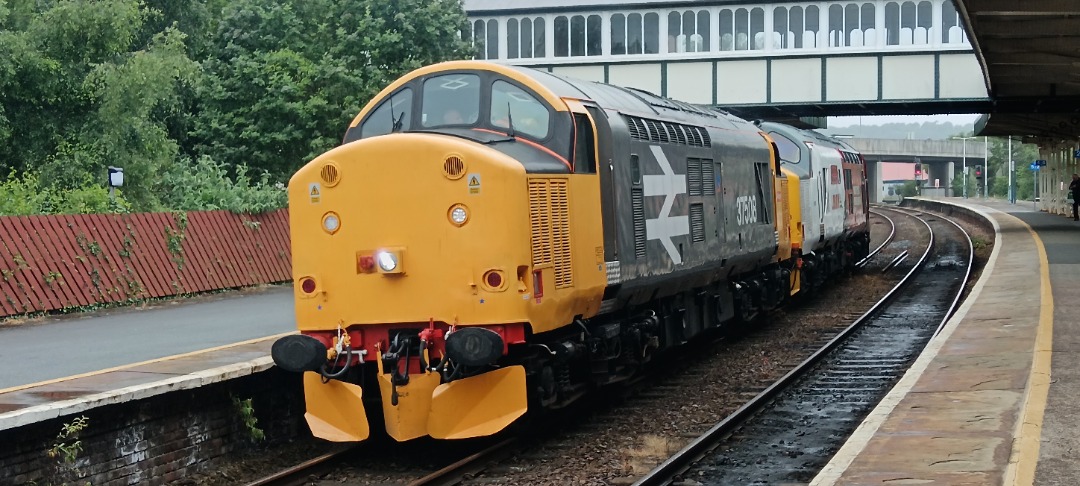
(888, 239)
(300, 474)
(790, 430)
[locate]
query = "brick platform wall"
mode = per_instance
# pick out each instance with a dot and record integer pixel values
(160, 439)
(62, 262)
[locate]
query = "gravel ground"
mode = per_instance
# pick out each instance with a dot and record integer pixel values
(619, 436)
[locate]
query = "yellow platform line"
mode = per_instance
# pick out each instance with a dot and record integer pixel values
(142, 363)
(1026, 437)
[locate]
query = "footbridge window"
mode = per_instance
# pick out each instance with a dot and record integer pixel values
(486, 38)
(635, 33)
(852, 25)
(688, 31)
(952, 30)
(795, 27)
(525, 38)
(742, 29)
(577, 35)
(908, 23)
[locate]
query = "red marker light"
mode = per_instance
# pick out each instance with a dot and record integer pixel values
(365, 263)
(493, 279)
(307, 285)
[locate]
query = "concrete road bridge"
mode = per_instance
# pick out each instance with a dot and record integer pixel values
(941, 160)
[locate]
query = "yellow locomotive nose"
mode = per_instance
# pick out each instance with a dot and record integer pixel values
(415, 217)
(391, 234)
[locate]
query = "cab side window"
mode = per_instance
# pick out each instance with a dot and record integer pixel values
(789, 150)
(512, 104)
(451, 99)
(391, 115)
(584, 145)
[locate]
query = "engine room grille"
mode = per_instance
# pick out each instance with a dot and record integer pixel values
(697, 222)
(637, 201)
(549, 215)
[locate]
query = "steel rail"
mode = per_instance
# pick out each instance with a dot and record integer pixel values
(667, 471)
(299, 474)
(456, 472)
(888, 239)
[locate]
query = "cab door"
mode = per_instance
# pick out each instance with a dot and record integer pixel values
(593, 155)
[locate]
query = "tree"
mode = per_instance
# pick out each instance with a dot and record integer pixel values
(909, 189)
(287, 77)
(78, 98)
(998, 175)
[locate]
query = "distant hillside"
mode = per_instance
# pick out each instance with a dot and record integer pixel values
(913, 131)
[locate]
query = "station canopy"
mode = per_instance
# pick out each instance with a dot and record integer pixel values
(1030, 53)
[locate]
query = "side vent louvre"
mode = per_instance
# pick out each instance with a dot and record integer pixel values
(637, 200)
(697, 222)
(693, 176)
(549, 215)
(708, 177)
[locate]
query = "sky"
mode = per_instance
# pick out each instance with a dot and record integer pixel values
(849, 121)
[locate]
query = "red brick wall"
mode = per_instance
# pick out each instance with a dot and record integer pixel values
(50, 263)
(163, 439)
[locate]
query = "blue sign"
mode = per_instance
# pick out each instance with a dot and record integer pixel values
(1076, 155)
(1034, 166)
(1040, 163)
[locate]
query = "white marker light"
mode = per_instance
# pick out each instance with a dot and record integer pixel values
(387, 261)
(331, 223)
(459, 215)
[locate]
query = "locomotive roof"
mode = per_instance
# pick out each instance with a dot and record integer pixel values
(552, 87)
(633, 101)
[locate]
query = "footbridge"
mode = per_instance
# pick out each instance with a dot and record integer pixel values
(774, 60)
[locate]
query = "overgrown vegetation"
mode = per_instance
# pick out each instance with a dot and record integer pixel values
(205, 104)
(246, 412)
(66, 449)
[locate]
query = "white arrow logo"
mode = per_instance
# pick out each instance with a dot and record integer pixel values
(665, 225)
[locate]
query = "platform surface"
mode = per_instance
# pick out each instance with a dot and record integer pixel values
(56, 366)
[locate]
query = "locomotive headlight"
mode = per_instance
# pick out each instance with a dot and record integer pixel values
(388, 262)
(459, 215)
(331, 223)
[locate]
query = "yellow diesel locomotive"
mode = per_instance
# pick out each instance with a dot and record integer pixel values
(492, 239)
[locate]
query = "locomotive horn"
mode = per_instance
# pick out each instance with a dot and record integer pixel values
(298, 353)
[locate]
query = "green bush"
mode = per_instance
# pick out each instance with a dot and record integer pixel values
(205, 185)
(27, 195)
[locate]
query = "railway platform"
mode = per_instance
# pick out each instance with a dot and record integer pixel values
(64, 365)
(992, 398)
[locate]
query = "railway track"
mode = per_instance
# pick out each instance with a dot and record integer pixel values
(790, 430)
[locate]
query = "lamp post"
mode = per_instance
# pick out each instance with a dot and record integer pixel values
(1012, 193)
(965, 139)
(116, 179)
(986, 168)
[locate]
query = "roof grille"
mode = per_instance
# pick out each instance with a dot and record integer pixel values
(656, 131)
